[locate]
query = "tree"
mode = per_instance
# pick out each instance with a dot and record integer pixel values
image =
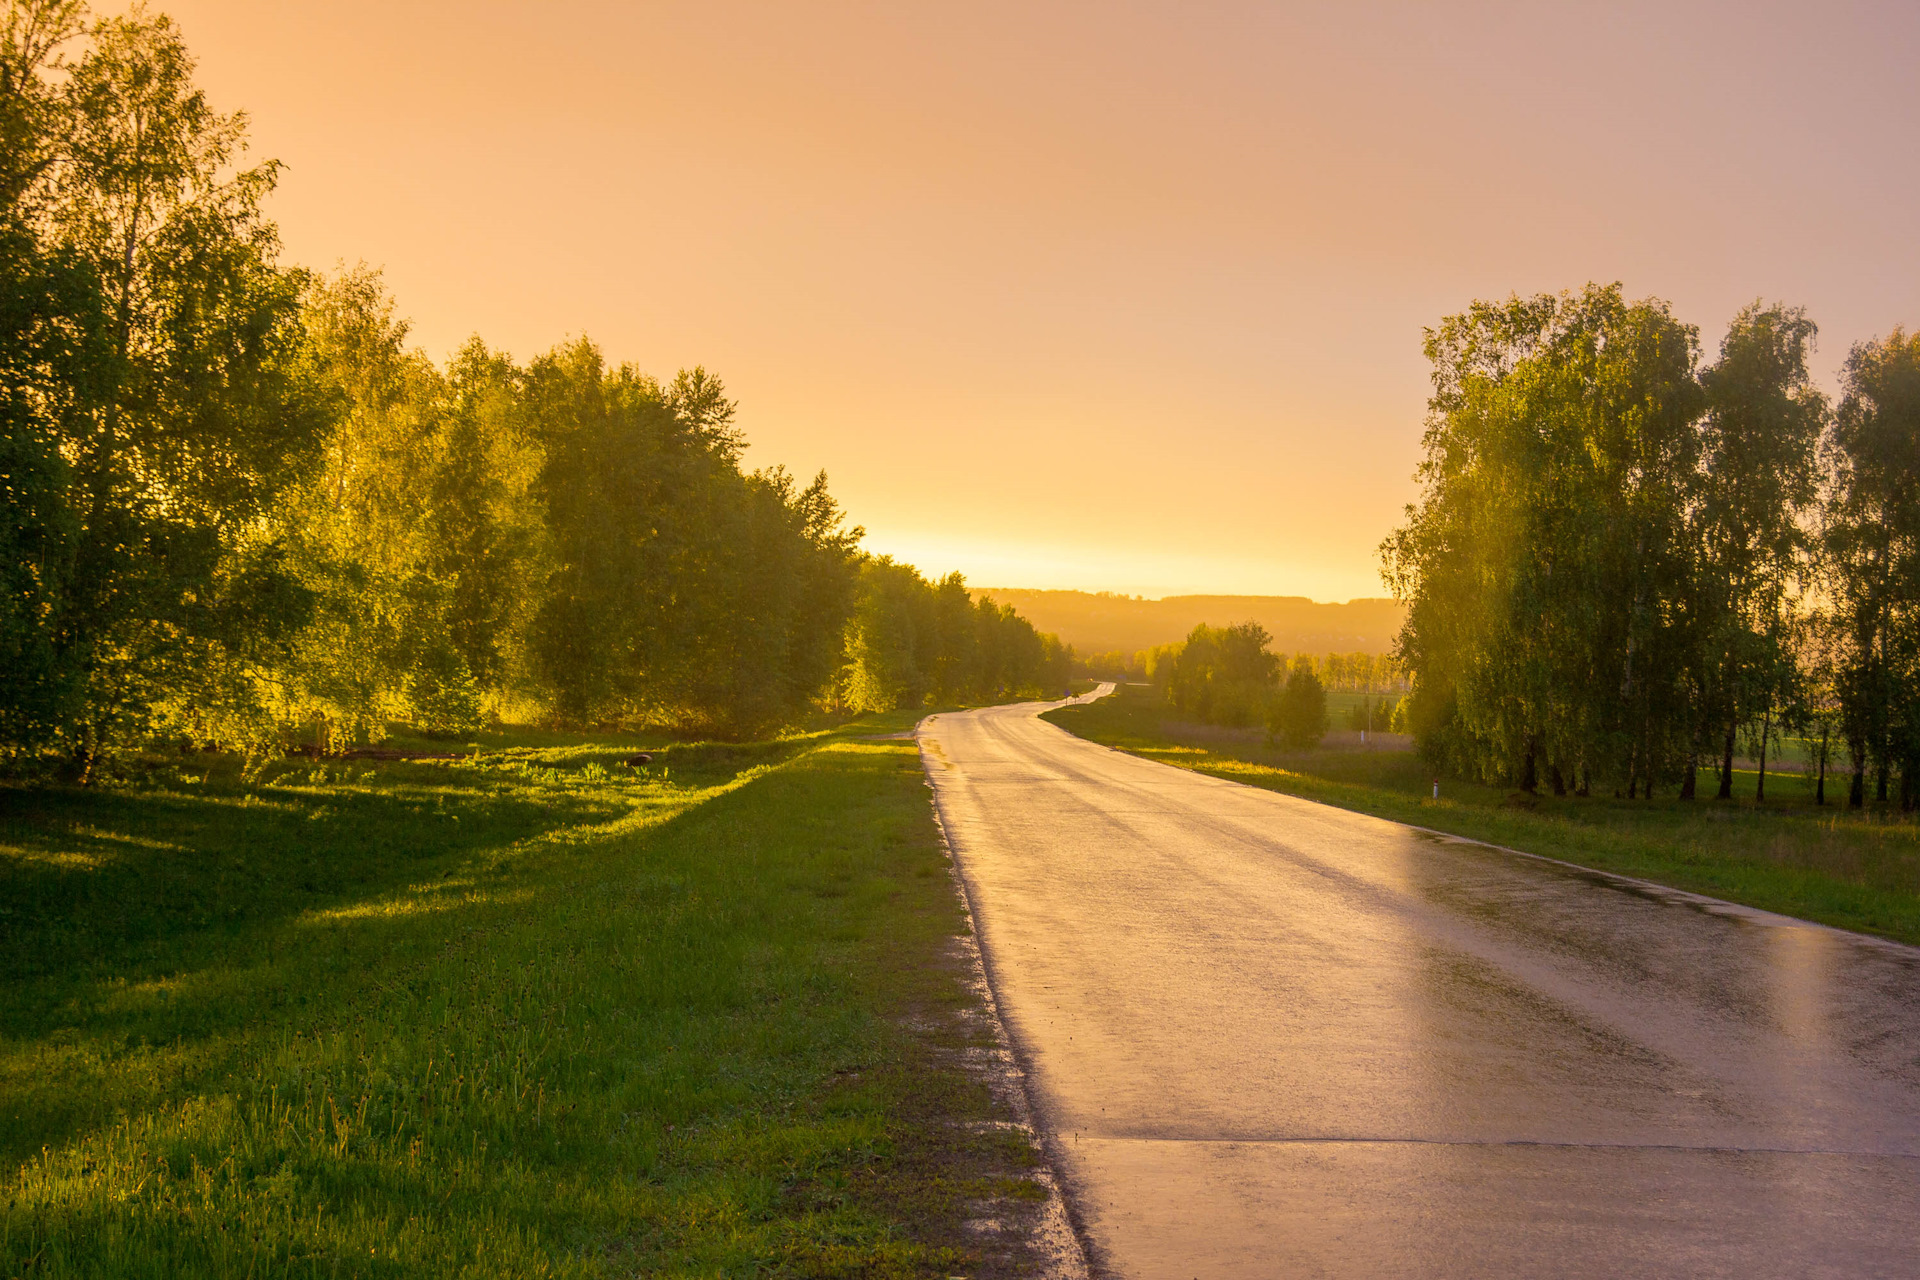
(1546, 568)
(1372, 713)
(779, 586)
(53, 359)
(681, 590)
(956, 665)
(35, 114)
(1298, 719)
(1222, 675)
(1760, 438)
(369, 530)
(488, 540)
(239, 504)
(911, 642)
(194, 407)
(1871, 562)
(890, 639)
(1819, 716)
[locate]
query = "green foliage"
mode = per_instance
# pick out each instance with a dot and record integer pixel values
(1402, 720)
(567, 540)
(1218, 675)
(1546, 554)
(52, 354)
(242, 508)
(1226, 676)
(1114, 665)
(1872, 563)
(1298, 718)
(173, 387)
(1613, 574)
(1376, 714)
(366, 525)
(913, 643)
(1359, 672)
(889, 648)
(1758, 479)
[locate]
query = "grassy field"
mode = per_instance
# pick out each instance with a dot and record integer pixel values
(1854, 870)
(525, 1014)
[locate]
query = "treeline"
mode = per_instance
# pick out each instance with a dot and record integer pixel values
(1113, 664)
(914, 642)
(1228, 676)
(1357, 672)
(1113, 625)
(240, 507)
(1628, 565)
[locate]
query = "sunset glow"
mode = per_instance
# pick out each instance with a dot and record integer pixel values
(1081, 295)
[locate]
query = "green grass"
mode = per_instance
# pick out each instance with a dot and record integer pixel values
(532, 1014)
(1854, 870)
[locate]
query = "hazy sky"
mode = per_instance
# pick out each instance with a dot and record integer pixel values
(1115, 296)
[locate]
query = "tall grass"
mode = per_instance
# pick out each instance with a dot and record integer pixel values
(527, 1014)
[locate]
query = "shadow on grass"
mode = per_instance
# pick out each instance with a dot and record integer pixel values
(639, 1020)
(130, 882)
(133, 885)
(177, 917)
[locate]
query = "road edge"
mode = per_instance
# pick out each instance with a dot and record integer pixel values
(1058, 1235)
(1703, 901)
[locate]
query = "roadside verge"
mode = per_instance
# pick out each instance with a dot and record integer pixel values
(1854, 871)
(526, 1014)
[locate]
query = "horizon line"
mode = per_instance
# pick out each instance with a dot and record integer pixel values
(1185, 595)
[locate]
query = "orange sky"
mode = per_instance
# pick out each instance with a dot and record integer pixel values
(1114, 296)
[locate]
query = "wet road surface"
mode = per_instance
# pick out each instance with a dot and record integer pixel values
(1272, 1038)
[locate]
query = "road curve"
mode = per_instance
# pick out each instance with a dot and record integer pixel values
(1271, 1038)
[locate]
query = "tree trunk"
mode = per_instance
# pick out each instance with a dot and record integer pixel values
(1820, 784)
(1530, 770)
(1558, 779)
(1690, 780)
(1880, 779)
(1857, 789)
(1766, 730)
(85, 755)
(1586, 782)
(1726, 768)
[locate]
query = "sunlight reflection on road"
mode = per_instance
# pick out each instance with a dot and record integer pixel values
(1273, 1037)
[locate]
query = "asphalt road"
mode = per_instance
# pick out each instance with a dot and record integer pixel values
(1272, 1038)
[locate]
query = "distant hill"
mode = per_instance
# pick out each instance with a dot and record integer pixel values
(1100, 623)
